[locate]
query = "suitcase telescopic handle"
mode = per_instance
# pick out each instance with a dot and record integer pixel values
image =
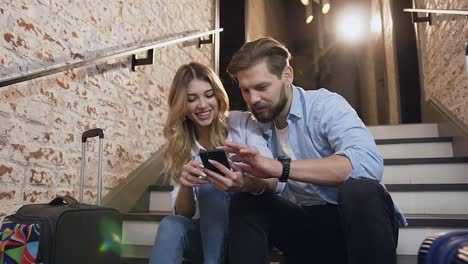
(88, 134)
(92, 133)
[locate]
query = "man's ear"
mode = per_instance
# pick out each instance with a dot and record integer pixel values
(288, 74)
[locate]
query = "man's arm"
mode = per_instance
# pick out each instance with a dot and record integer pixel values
(353, 149)
(330, 171)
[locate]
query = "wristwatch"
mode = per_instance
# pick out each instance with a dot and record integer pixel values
(286, 166)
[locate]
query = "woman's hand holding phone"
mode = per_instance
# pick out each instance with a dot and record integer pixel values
(192, 174)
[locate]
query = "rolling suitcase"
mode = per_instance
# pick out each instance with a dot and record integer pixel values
(444, 248)
(64, 231)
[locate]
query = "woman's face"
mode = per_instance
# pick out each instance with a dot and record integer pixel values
(202, 104)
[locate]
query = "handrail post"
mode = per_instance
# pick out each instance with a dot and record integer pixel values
(144, 61)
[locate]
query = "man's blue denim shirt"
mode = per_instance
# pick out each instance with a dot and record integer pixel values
(321, 124)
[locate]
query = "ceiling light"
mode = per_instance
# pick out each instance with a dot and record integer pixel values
(309, 14)
(325, 6)
(351, 26)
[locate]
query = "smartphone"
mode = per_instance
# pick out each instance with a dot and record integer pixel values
(218, 154)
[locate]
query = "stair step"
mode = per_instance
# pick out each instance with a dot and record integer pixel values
(161, 188)
(404, 131)
(136, 251)
(145, 216)
(415, 147)
(426, 173)
(160, 198)
(421, 226)
(426, 187)
(413, 161)
(140, 254)
(416, 150)
(437, 220)
(129, 260)
(430, 198)
(140, 228)
(391, 141)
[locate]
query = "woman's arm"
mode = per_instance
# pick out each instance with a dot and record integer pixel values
(185, 202)
(189, 178)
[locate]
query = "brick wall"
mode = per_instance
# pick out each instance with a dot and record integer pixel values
(443, 57)
(41, 120)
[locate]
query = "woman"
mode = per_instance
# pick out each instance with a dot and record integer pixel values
(199, 119)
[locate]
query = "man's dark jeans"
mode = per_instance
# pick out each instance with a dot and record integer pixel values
(361, 229)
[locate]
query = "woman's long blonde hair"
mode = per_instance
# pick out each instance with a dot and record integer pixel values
(178, 129)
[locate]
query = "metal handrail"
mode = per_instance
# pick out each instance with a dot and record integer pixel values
(129, 51)
(437, 11)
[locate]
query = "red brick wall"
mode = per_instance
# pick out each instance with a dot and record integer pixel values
(41, 120)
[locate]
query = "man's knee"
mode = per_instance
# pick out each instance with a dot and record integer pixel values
(360, 190)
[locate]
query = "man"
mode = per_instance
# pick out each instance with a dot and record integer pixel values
(332, 207)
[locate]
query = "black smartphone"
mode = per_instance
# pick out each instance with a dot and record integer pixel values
(218, 154)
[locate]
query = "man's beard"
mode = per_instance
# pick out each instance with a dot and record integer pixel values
(274, 110)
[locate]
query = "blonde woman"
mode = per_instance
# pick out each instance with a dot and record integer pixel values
(199, 119)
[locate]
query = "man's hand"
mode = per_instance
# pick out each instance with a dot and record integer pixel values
(231, 181)
(192, 174)
(253, 162)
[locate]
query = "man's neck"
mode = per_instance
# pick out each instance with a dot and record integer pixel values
(281, 121)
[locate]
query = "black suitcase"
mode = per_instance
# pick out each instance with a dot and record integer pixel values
(444, 248)
(64, 231)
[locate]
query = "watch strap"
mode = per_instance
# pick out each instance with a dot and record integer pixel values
(286, 167)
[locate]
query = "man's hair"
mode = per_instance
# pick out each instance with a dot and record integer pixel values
(275, 54)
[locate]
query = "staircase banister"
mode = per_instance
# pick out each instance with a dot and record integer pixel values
(128, 51)
(437, 11)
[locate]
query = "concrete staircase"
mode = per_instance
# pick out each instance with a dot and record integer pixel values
(423, 177)
(425, 181)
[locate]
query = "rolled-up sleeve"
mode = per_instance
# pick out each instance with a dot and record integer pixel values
(348, 136)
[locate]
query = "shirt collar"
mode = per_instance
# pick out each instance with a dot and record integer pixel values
(295, 113)
(196, 147)
(296, 107)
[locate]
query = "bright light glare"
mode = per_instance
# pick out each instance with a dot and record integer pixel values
(325, 8)
(376, 24)
(305, 2)
(309, 19)
(351, 27)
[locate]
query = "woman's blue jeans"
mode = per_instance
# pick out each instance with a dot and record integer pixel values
(201, 240)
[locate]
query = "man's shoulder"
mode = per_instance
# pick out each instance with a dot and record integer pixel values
(318, 93)
(239, 116)
(240, 119)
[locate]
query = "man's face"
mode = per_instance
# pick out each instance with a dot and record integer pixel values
(263, 92)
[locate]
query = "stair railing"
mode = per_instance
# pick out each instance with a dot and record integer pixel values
(181, 37)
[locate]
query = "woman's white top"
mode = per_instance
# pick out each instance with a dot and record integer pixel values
(242, 129)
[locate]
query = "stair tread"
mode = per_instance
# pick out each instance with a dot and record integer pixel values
(437, 216)
(139, 254)
(160, 188)
(413, 140)
(437, 220)
(411, 161)
(421, 187)
(145, 216)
